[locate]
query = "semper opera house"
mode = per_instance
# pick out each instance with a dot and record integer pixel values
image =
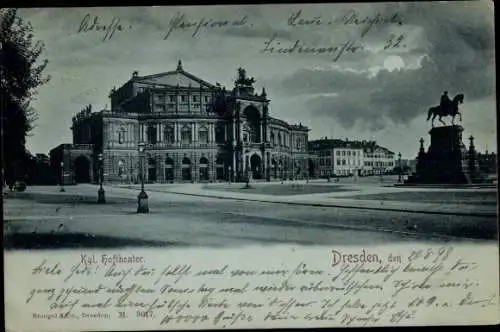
(176, 127)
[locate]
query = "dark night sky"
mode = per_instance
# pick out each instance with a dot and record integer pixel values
(370, 94)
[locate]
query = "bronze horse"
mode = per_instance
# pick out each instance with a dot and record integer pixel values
(452, 110)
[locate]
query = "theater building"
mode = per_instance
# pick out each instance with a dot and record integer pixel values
(176, 127)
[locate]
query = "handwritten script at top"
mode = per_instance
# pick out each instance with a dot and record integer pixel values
(229, 295)
(362, 25)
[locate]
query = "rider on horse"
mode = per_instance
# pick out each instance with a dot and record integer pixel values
(447, 107)
(445, 102)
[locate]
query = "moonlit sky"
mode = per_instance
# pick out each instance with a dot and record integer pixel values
(373, 94)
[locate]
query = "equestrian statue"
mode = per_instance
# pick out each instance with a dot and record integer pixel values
(447, 107)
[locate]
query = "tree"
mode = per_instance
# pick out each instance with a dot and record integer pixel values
(20, 76)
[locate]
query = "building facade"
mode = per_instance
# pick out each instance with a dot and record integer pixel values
(378, 160)
(348, 158)
(174, 126)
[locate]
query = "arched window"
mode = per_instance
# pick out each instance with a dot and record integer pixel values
(168, 134)
(169, 161)
(186, 169)
(121, 135)
(152, 134)
(203, 169)
(279, 139)
(151, 169)
(220, 135)
(169, 169)
(203, 134)
(186, 136)
(219, 168)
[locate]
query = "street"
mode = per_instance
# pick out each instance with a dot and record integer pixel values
(43, 217)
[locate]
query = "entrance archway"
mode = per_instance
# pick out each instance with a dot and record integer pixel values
(253, 118)
(255, 166)
(186, 169)
(151, 170)
(311, 168)
(82, 170)
(169, 169)
(219, 169)
(203, 169)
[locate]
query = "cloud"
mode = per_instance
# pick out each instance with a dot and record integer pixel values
(459, 46)
(456, 40)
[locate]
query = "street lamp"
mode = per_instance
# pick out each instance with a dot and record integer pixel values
(62, 177)
(308, 170)
(400, 168)
(230, 174)
(142, 198)
(101, 199)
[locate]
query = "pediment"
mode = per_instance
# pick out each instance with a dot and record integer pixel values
(175, 78)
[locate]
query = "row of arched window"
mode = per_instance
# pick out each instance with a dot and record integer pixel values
(185, 161)
(283, 140)
(186, 134)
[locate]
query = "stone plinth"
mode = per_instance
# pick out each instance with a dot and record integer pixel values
(446, 161)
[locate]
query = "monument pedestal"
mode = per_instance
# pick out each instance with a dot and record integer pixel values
(447, 159)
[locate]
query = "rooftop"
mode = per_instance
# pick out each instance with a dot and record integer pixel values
(175, 78)
(326, 143)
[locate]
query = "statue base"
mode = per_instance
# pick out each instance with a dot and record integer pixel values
(446, 161)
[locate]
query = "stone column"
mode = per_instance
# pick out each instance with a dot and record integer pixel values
(192, 132)
(263, 164)
(195, 129)
(234, 132)
(233, 170)
(176, 132)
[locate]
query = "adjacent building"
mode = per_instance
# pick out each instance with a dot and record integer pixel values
(338, 157)
(377, 159)
(175, 126)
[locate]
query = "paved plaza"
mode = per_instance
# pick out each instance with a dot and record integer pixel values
(295, 212)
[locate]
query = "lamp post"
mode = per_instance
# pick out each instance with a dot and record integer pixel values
(280, 172)
(101, 199)
(308, 170)
(142, 198)
(230, 175)
(400, 168)
(62, 177)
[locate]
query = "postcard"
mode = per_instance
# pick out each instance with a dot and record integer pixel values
(257, 166)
